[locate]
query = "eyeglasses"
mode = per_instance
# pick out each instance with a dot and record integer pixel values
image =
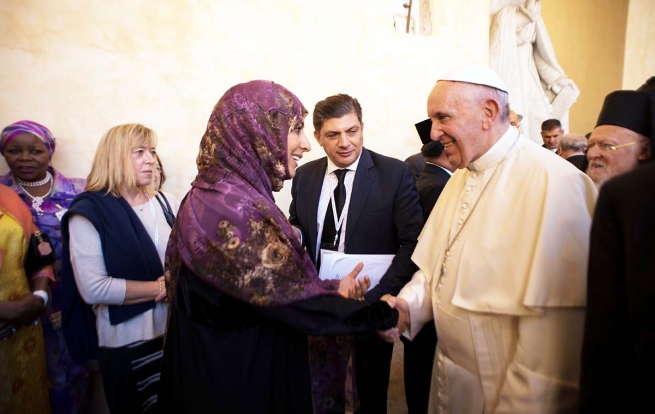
(607, 147)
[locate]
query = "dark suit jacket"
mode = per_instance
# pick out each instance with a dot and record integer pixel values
(384, 216)
(544, 146)
(416, 163)
(579, 161)
(430, 184)
(618, 354)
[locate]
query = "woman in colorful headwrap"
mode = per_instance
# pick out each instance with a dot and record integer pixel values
(28, 148)
(246, 295)
(23, 375)
(114, 242)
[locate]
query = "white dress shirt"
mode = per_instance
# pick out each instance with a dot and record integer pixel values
(324, 201)
(449, 172)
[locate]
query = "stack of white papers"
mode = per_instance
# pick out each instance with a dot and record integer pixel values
(336, 265)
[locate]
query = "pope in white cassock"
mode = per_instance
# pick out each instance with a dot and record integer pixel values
(502, 259)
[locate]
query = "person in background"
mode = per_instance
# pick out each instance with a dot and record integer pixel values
(244, 293)
(619, 142)
(416, 162)
(515, 119)
(572, 148)
(419, 352)
(23, 299)
(619, 334)
(551, 132)
(159, 175)
(114, 241)
(435, 175)
(648, 86)
(28, 148)
(158, 180)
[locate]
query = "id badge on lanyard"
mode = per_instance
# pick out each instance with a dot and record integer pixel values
(338, 221)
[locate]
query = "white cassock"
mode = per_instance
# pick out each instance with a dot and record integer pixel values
(509, 309)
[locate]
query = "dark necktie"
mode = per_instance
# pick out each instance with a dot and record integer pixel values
(329, 230)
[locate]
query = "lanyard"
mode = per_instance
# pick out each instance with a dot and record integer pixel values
(339, 222)
(154, 217)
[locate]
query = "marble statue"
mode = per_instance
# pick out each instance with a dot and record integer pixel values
(520, 50)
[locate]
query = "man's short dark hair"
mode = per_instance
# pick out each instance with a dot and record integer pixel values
(335, 106)
(432, 149)
(550, 124)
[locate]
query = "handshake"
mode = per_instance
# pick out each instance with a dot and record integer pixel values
(355, 288)
(403, 318)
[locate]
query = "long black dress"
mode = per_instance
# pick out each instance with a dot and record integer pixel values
(225, 356)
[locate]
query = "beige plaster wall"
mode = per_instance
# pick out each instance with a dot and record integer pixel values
(83, 67)
(639, 44)
(589, 40)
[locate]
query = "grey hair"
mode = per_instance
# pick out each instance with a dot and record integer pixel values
(479, 93)
(573, 142)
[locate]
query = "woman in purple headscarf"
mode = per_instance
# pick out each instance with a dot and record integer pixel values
(245, 294)
(28, 147)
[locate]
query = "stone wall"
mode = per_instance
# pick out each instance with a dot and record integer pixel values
(82, 67)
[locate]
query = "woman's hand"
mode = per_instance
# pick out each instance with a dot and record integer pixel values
(353, 288)
(25, 310)
(18, 313)
(163, 292)
(139, 292)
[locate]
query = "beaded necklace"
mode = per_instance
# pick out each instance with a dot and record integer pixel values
(37, 201)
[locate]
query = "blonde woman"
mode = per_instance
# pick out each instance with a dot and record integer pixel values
(115, 238)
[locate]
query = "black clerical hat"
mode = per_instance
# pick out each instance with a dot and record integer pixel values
(423, 128)
(649, 86)
(634, 110)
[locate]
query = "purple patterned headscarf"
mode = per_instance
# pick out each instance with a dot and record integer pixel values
(247, 135)
(29, 127)
(229, 231)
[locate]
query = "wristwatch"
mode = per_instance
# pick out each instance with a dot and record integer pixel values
(43, 295)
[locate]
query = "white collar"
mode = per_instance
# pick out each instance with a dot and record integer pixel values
(495, 154)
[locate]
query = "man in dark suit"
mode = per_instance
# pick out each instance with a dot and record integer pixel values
(571, 148)
(434, 176)
(416, 164)
(419, 353)
(357, 201)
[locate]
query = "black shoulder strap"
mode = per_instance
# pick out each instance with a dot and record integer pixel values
(168, 211)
